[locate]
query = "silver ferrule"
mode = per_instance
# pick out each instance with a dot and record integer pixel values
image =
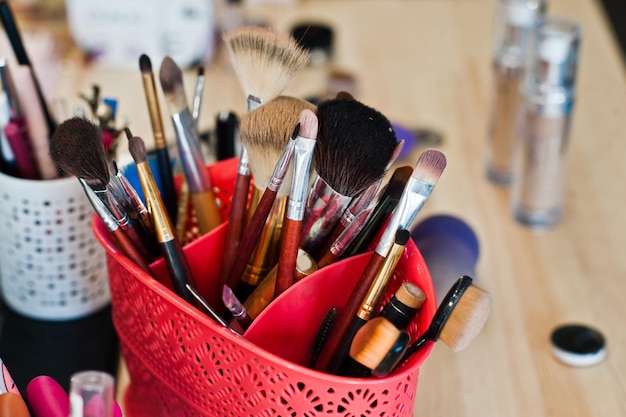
(415, 194)
(131, 193)
(346, 237)
(280, 170)
(243, 168)
(100, 209)
(254, 102)
(303, 155)
(114, 207)
(190, 153)
(324, 208)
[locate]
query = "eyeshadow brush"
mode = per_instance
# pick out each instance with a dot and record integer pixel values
(196, 175)
(164, 162)
(426, 173)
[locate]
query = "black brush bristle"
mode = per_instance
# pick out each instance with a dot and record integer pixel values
(354, 145)
(76, 148)
(145, 65)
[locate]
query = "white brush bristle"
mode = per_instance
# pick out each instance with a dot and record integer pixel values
(264, 60)
(430, 166)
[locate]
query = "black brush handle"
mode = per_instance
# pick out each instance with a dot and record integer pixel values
(178, 268)
(322, 334)
(377, 219)
(167, 183)
(225, 132)
(343, 350)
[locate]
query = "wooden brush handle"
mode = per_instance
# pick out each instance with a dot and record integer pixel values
(347, 314)
(327, 258)
(207, 211)
(128, 249)
(236, 218)
(285, 276)
(250, 237)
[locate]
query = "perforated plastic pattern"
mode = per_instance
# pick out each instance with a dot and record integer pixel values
(51, 265)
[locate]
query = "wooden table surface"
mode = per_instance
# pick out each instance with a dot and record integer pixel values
(427, 63)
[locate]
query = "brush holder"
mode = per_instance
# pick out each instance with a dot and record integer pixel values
(182, 363)
(51, 265)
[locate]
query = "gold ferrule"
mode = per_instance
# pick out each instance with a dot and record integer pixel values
(154, 110)
(376, 290)
(162, 226)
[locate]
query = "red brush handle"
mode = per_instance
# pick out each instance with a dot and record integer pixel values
(285, 276)
(327, 362)
(250, 237)
(17, 136)
(234, 228)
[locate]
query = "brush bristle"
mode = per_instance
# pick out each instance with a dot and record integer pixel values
(145, 65)
(264, 60)
(200, 72)
(308, 124)
(372, 342)
(137, 149)
(354, 146)
(265, 131)
(467, 319)
(76, 147)
(397, 182)
(430, 166)
(171, 78)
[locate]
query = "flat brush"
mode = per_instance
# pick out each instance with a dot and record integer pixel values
(164, 163)
(200, 187)
(171, 249)
(123, 242)
(380, 213)
(13, 33)
(426, 173)
(303, 155)
(460, 316)
(76, 148)
(355, 145)
(235, 307)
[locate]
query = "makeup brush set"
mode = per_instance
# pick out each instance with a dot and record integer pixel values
(282, 279)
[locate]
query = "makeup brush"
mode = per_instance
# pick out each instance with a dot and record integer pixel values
(355, 145)
(303, 155)
(266, 132)
(235, 307)
(171, 248)
(164, 163)
(371, 299)
(404, 305)
(13, 33)
(197, 97)
(384, 207)
(428, 169)
(322, 334)
(200, 187)
(76, 148)
(13, 405)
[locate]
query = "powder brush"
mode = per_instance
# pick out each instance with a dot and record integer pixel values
(428, 169)
(196, 175)
(168, 190)
(76, 148)
(355, 145)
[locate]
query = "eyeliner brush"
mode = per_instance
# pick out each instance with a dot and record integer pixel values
(164, 162)
(200, 187)
(171, 249)
(428, 169)
(13, 33)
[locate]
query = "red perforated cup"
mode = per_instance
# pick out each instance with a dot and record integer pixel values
(182, 363)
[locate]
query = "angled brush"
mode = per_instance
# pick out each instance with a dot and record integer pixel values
(196, 175)
(355, 145)
(164, 163)
(303, 155)
(428, 169)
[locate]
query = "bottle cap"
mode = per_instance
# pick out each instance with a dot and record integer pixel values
(578, 345)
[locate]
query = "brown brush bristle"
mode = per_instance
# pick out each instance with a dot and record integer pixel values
(264, 60)
(344, 95)
(308, 124)
(76, 147)
(145, 65)
(467, 319)
(266, 131)
(430, 166)
(171, 78)
(137, 149)
(354, 146)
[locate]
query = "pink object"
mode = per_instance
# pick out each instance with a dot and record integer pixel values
(47, 398)
(17, 136)
(182, 363)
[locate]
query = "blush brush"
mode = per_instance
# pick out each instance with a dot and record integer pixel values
(200, 186)
(428, 169)
(355, 145)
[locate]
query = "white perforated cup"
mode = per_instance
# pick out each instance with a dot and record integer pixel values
(51, 265)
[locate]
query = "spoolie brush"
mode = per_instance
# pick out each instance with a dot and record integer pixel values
(428, 169)
(200, 187)
(355, 145)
